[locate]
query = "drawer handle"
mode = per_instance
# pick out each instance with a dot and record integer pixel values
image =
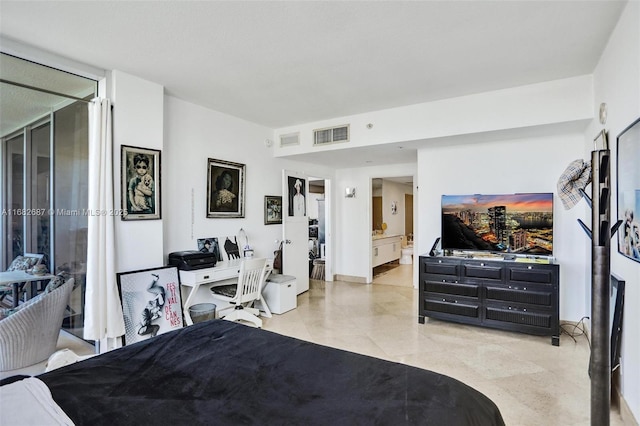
(482, 264)
(529, 267)
(205, 277)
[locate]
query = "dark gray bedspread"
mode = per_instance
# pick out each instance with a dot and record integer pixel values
(223, 373)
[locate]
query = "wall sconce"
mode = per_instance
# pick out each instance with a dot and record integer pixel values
(349, 193)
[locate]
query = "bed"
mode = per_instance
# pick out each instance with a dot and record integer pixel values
(219, 372)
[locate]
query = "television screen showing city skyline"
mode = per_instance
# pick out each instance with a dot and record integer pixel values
(514, 223)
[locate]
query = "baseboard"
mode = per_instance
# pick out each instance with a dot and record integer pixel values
(617, 398)
(625, 412)
(350, 278)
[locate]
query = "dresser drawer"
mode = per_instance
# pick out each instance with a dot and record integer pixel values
(469, 290)
(525, 295)
(520, 316)
(451, 306)
(482, 270)
(532, 274)
(441, 267)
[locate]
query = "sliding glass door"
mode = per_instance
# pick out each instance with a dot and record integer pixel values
(44, 174)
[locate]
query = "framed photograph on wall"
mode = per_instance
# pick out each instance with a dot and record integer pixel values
(272, 209)
(628, 154)
(151, 302)
(225, 189)
(297, 188)
(140, 177)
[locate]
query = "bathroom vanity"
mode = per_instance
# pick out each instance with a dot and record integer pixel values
(385, 248)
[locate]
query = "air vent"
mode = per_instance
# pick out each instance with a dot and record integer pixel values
(290, 139)
(331, 135)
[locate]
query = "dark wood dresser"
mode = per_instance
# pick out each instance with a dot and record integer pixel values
(507, 295)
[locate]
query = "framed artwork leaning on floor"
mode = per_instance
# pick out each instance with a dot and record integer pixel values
(151, 302)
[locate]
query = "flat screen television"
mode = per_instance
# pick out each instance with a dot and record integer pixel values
(514, 223)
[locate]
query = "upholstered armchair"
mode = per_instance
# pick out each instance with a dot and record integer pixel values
(30, 335)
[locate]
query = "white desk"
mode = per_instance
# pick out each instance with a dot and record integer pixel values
(16, 278)
(225, 272)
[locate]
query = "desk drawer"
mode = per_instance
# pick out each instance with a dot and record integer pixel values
(202, 276)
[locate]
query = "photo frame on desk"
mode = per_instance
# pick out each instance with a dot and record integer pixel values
(151, 302)
(210, 245)
(628, 185)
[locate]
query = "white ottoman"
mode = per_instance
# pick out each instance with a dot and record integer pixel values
(280, 293)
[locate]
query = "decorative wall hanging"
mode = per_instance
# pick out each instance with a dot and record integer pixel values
(225, 189)
(628, 154)
(297, 188)
(272, 209)
(140, 177)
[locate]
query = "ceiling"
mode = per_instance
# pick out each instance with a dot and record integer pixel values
(283, 63)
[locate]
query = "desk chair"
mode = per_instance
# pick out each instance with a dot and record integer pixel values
(261, 302)
(244, 293)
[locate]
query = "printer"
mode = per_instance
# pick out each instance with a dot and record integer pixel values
(192, 259)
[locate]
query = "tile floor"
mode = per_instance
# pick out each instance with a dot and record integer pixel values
(531, 381)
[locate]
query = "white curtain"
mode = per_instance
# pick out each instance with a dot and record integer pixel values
(103, 310)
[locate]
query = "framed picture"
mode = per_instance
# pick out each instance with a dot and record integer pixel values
(210, 245)
(629, 191)
(225, 189)
(616, 309)
(150, 302)
(140, 183)
(272, 209)
(297, 203)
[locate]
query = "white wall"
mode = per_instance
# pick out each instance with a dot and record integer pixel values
(193, 134)
(353, 217)
(138, 117)
(553, 102)
(394, 191)
(617, 82)
(505, 167)
(312, 204)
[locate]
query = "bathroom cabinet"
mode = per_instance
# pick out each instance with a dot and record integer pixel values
(385, 249)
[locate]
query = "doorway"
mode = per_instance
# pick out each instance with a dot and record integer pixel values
(392, 217)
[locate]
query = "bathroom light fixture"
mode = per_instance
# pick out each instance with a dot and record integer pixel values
(349, 192)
